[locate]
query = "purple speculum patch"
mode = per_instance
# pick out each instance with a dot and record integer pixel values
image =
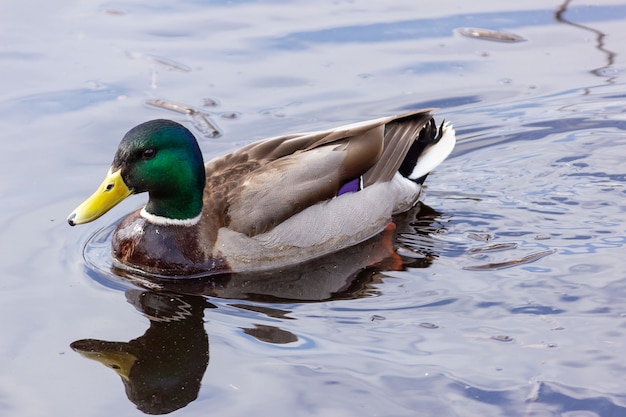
(350, 187)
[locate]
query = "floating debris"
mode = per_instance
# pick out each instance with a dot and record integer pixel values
(542, 345)
(179, 108)
(481, 237)
(513, 262)
(199, 119)
(490, 35)
(408, 253)
(502, 338)
(278, 112)
(230, 115)
(169, 64)
(204, 125)
(209, 102)
(166, 63)
(555, 325)
(114, 12)
(494, 248)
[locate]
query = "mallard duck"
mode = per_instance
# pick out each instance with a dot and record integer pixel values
(273, 203)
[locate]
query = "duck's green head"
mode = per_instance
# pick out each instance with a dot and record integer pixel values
(161, 157)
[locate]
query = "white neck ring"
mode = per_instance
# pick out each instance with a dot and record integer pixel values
(165, 221)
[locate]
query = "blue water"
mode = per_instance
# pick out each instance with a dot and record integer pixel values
(510, 299)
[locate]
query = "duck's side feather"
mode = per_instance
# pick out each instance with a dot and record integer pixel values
(263, 184)
(319, 229)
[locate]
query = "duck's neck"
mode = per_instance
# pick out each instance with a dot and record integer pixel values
(183, 208)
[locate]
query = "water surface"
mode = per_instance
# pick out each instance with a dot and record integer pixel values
(463, 328)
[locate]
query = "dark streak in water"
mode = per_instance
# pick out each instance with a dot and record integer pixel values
(600, 46)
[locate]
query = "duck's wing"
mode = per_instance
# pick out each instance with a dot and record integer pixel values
(263, 184)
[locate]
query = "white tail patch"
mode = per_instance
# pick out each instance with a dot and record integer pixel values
(435, 154)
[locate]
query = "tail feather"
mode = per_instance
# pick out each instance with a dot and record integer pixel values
(430, 149)
(400, 134)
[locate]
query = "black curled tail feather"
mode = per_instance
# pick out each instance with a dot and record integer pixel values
(400, 133)
(429, 135)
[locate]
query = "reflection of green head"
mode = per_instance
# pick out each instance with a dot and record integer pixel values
(161, 370)
(162, 157)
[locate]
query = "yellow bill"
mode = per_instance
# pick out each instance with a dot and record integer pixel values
(108, 195)
(110, 354)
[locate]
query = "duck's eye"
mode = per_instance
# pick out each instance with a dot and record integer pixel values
(148, 154)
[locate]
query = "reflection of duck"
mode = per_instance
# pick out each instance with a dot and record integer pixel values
(162, 369)
(273, 203)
